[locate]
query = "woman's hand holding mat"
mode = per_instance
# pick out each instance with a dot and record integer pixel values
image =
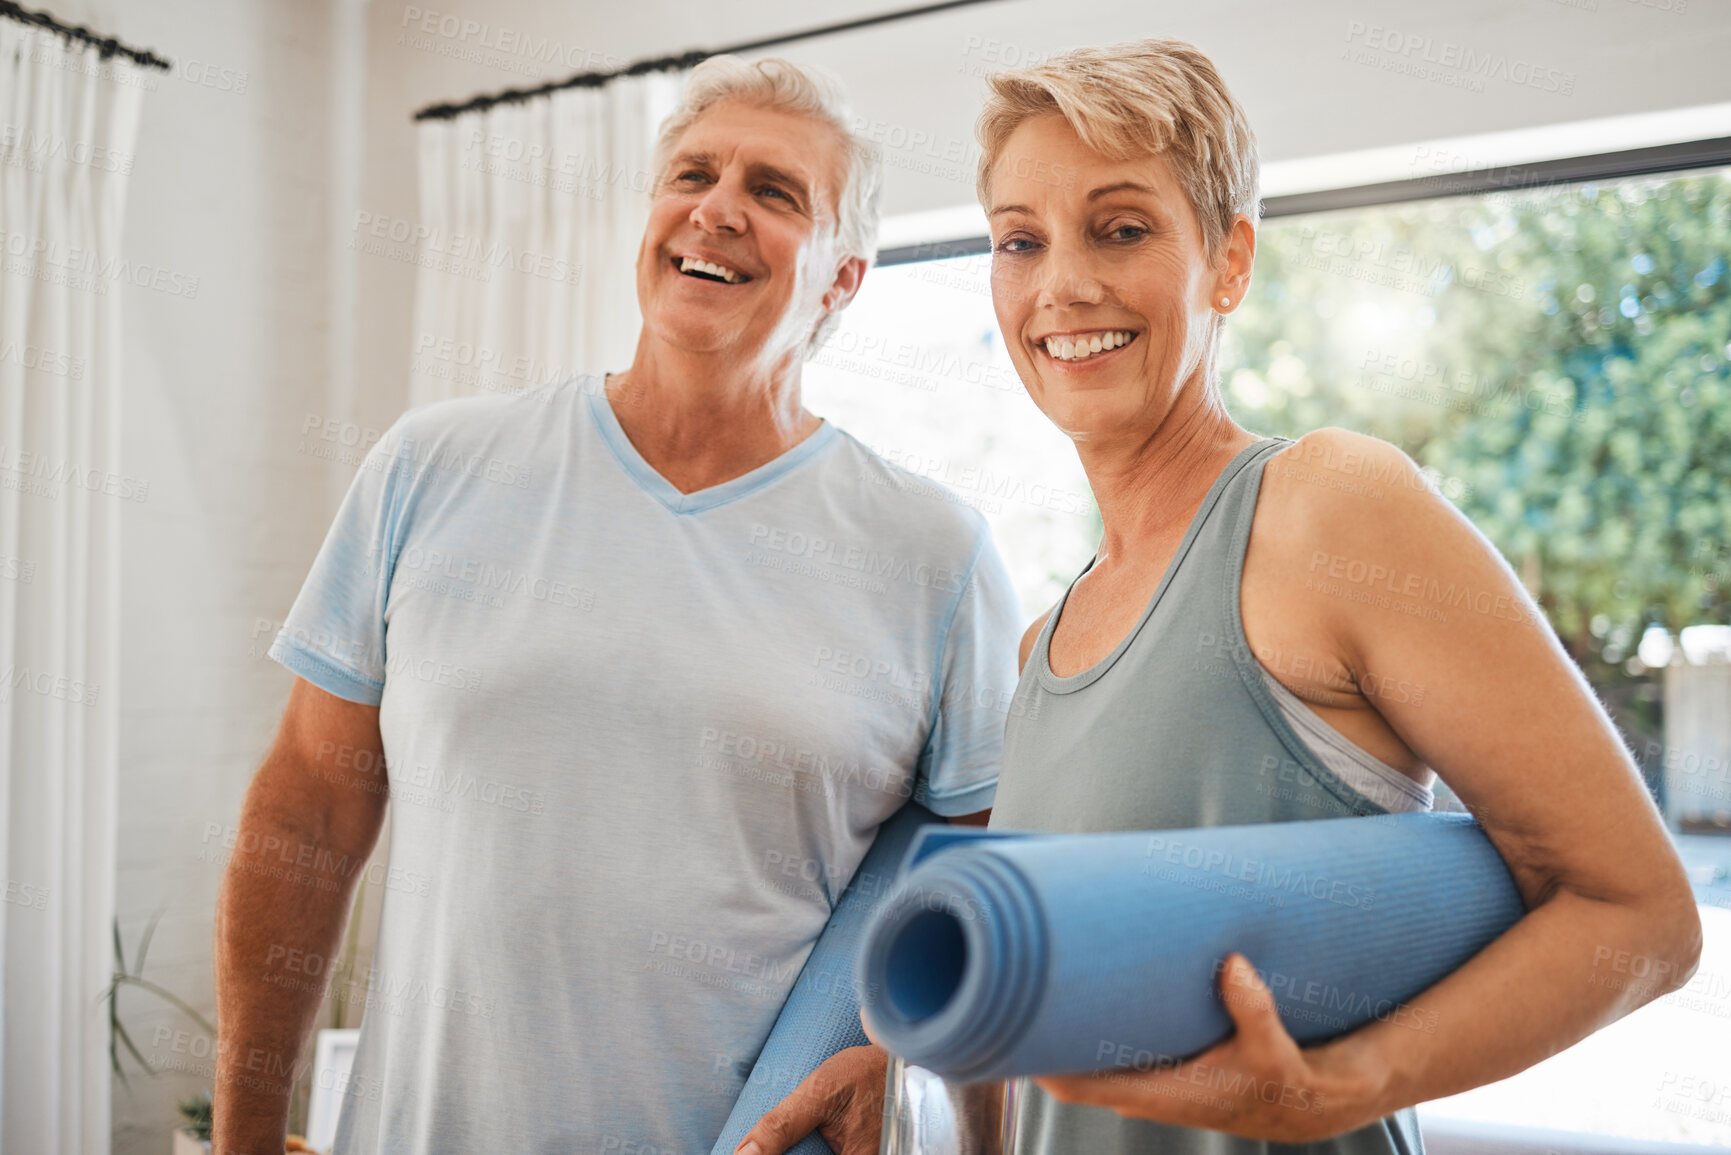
(1003, 954)
(1258, 1083)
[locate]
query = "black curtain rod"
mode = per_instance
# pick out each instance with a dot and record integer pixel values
(105, 46)
(684, 60)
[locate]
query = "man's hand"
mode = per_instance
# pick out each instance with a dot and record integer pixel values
(843, 1100)
(1258, 1084)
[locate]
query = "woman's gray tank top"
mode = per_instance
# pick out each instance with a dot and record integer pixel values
(1174, 728)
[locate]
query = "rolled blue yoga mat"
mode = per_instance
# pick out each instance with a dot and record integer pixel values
(821, 1014)
(1003, 954)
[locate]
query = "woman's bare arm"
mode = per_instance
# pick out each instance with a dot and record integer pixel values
(1397, 583)
(1356, 565)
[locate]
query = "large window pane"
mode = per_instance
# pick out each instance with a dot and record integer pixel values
(919, 373)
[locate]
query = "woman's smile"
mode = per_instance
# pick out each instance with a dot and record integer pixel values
(1078, 349)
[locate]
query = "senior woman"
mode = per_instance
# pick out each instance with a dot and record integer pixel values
(1235, 652)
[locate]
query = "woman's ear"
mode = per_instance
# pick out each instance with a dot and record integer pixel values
(1232, 281)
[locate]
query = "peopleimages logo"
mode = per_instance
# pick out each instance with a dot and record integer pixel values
(485, 36)
(1308, 1000)
(871, 355)
(43, 360)
(1331, 573)
(790, 764)
(448, 460)
(722, 957)
(1256, 872)
(24, 894)
(474, 579)
(28, 147)
(464, 254)
(55, 475)
(49, 685)
(1461, 58)
(814, 547)
(79, 267)
(987, 484)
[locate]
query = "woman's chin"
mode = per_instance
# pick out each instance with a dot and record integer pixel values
(1096, 414)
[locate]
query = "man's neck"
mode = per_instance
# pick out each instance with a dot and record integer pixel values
(701, 419)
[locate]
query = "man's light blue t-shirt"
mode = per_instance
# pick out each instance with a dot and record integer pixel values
(637, 743)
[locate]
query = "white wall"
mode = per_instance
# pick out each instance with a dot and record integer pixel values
(244, 185)
(227, 187)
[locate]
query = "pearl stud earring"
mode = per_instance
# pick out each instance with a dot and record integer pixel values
(1226, 302)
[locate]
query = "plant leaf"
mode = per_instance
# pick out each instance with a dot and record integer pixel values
(185, 1008)
(149, 933)
(119, 955)
(120, 1030)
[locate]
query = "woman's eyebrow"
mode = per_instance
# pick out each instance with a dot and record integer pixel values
(1103, 190)
(1122, 186)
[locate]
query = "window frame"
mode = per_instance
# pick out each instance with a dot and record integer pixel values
(1654, 160)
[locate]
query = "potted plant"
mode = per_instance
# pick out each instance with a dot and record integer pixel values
(194, 1137)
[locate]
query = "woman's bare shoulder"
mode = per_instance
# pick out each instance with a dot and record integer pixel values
(1029, 637)
(1334, 491)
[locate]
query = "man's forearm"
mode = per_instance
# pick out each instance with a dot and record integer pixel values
(280, 916)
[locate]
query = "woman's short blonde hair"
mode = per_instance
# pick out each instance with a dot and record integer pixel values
(784, 86)
(1137, 99)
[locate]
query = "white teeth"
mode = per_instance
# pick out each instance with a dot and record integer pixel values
(1081, 348)
(686, 264)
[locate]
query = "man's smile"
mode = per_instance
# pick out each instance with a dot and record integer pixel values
(708, 270)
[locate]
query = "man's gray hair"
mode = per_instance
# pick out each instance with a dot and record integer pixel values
(785, 86)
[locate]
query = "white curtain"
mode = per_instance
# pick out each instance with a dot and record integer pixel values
(68, 122)
(529, 222)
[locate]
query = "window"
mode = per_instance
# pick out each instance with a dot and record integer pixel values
(918, 372)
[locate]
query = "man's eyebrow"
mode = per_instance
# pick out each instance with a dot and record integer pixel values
(1121, 186)
(799, 182)
(691, 158)
(1011, 209)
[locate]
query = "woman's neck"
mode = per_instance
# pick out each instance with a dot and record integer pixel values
(1149, 488)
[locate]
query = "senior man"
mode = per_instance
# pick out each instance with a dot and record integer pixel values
(643, 704)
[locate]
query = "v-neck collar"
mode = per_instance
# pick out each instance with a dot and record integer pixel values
(664, 491)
